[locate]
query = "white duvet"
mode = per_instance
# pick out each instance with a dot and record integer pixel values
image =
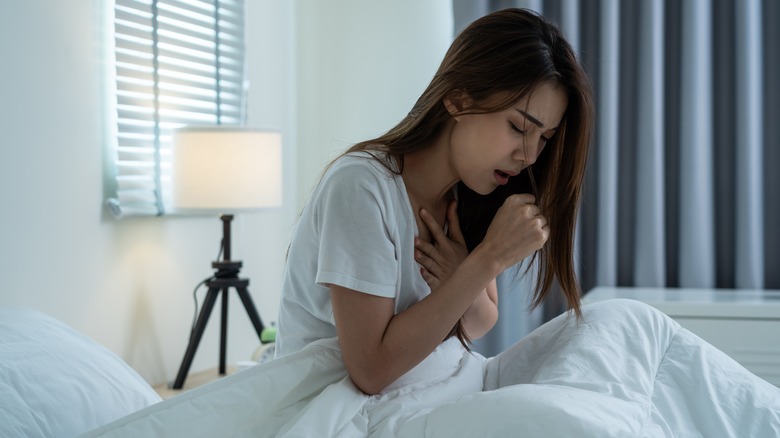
(625, 370)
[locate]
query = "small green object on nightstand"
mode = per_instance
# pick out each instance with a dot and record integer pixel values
(268, 334)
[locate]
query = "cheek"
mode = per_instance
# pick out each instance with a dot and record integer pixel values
(465, 141)
(478, 139)
(482, 131)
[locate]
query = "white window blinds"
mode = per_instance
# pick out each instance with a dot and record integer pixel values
(178, 62)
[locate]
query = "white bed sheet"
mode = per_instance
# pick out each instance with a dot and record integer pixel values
(625, 370)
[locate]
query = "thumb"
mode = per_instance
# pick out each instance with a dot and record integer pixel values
(454, 223)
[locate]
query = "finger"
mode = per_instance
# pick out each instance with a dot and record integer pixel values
(429, 278)
(454, 223)
(521, 198)
(428, 249)
(545, 234)
(427, 263)
(533, 211)
(436, 230)
(540, 232)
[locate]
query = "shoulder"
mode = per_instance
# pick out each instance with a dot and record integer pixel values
(360, 169)
(369, 163)
(357, 184)
(357, 192)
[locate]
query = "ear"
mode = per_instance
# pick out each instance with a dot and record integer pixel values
(456, 102)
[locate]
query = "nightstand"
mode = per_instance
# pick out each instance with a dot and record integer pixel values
(193, 381)
(745, 324)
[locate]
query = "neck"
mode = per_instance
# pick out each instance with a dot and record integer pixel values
(428, 173)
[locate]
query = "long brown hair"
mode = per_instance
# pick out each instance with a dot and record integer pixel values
(510, 53)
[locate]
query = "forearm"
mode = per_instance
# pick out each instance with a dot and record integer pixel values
(377, 353)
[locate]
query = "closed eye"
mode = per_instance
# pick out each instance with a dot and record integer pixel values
(516, 129)
(523, 132)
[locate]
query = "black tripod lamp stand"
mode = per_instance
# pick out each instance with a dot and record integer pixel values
(222, 168)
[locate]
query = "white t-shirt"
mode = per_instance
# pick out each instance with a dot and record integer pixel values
(357, 231)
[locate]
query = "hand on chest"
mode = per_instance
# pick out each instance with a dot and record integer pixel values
(423, 230)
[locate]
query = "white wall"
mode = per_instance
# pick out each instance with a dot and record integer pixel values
(127, 284)
(326, 73)
(361, 66)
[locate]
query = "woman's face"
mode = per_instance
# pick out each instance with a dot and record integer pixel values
(488, 149)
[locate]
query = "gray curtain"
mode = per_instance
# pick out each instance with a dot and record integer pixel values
(683, 182)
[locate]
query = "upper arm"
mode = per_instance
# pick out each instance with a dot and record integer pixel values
(483, 313)
(492, 292)
(361, 321)
(356, 245)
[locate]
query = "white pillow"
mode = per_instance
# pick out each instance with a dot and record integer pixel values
(55, 381)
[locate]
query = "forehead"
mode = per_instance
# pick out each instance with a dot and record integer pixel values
(546, 103)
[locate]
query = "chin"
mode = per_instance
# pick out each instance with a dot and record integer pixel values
(481, 190)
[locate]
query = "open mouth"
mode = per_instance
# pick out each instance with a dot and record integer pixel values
(501, 177)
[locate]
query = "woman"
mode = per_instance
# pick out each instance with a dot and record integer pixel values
(508, 94)
(397, 251)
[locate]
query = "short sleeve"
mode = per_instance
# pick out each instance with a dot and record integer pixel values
(355, 217)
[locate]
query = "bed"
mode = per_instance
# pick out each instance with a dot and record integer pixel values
(607, 379)
(57, 382)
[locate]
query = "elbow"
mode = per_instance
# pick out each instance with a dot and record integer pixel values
(368, 379)
(368, 389)
(368, 386)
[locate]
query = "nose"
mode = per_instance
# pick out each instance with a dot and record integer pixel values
(527, 151)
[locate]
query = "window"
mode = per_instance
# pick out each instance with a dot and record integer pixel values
(178, 62)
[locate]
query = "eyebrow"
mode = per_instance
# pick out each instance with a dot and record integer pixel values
(533, 119)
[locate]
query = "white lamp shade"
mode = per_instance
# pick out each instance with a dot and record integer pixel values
(226, 169)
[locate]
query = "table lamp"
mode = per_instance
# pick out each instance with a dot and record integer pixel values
(226, 170)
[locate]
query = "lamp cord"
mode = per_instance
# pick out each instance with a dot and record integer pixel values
(195, 299)
(195, 291)
(221, 248)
